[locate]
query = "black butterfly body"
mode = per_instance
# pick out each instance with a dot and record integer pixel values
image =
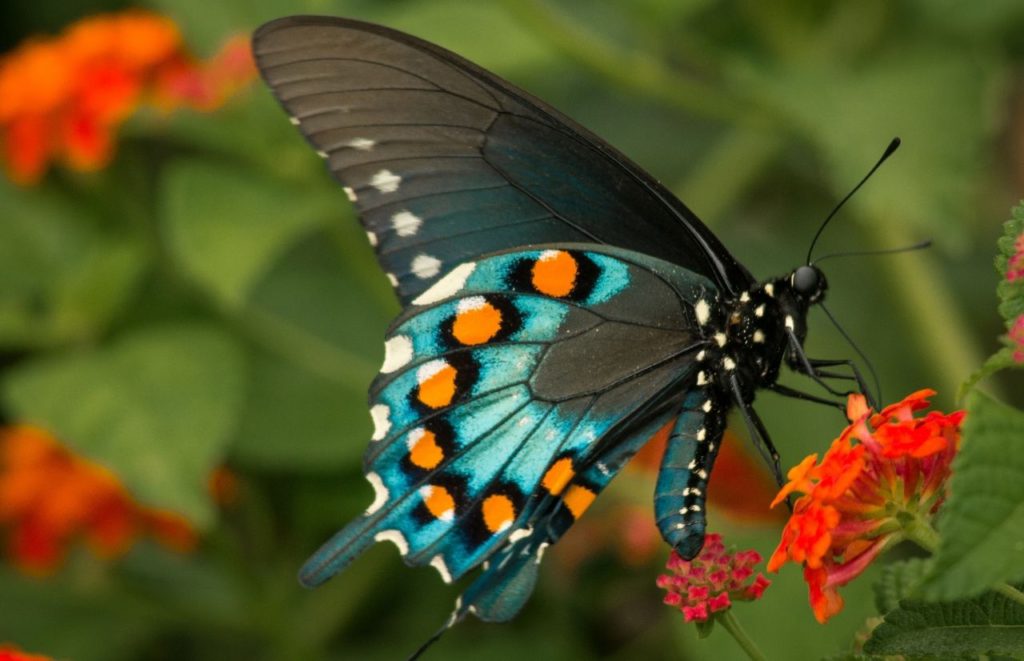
(560, 305)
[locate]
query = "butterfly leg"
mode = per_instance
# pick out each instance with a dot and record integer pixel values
(681, 490)
(799, 361)
(786, 391)
(857, 376)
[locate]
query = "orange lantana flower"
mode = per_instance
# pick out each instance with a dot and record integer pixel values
(62, 99)
(862, 498)
(10, 653)
(49, 497)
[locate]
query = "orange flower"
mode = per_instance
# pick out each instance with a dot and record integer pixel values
(861, 499)
(62, 99)
(49, 497)
(11, 653)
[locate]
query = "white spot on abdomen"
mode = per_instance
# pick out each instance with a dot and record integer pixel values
(397, 353)
(447, 286)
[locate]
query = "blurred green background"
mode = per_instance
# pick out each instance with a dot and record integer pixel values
(209, 299)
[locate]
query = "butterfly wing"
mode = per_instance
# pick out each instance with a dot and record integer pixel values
(511, 392)
(446, 162)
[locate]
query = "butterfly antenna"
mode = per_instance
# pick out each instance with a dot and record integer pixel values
(893, 146)
(921, 245)
(863, 356)
(452, 620)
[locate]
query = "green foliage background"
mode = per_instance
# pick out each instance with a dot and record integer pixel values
(210, 298)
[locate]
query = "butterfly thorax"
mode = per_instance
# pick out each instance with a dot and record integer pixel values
(754, 332)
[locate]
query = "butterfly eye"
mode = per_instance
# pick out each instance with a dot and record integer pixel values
(809, 282)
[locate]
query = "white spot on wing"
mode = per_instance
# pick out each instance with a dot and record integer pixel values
(406, 223)
(442, 569)
(294, 121)
(414, 436)
(702, 434)
(522, 533)
(381, 421)
(428, 370)
(446, 286)
(395, 538)
(380, 493)
(397, 353)
(703, 311)
(702, 378)
(471, 303)
(425, 266)
(322, 154)
(351, 194)
(540, 551)
(372, 238)
(362, 144)
(392, 279)
(385, 181)
(707, 406)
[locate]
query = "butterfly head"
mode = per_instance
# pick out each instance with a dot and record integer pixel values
(809, 284)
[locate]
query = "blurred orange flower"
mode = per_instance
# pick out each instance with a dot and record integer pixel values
(861, 499)
(10, 653)
(50, 497)
(62, 98)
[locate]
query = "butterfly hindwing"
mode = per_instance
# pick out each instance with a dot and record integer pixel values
(489, 432)
(446, 162)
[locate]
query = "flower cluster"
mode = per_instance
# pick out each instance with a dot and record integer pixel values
(712, 581)
(862, 498)
(61, 99)
(50, 497)
(9, 653)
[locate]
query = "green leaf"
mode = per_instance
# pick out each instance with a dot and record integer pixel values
(998, 361)
(989, 624)
(1011, 257)
(982, 524)
(157, 407)
(298, 420)
(225, 226)
(898, 581)
(920, 89)
(62, 279)
(322, 312)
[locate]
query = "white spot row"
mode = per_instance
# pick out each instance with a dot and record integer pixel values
(406, 223)
(397, 353)
(395, 537)
(386, 181)
(447, 286)
(380, 493)
(381, 415)
(425, 266)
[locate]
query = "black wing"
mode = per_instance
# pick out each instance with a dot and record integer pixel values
(446, 161)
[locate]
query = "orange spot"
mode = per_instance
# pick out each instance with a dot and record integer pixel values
(578, 499)
(498, 512)
(477, 325)
(558, 475)
(554, 274)
(439, 502)
(438, 390)
(426, 453)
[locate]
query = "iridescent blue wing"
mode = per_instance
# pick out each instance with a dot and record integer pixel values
(446, 162)
(511, 392)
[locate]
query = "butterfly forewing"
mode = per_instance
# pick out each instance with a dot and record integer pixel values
(446, 162)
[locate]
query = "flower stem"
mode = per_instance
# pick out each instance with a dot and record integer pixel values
(732, 625)
(1010, 592)
(919, 531)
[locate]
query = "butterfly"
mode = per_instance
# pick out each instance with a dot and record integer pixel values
(559, 307)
